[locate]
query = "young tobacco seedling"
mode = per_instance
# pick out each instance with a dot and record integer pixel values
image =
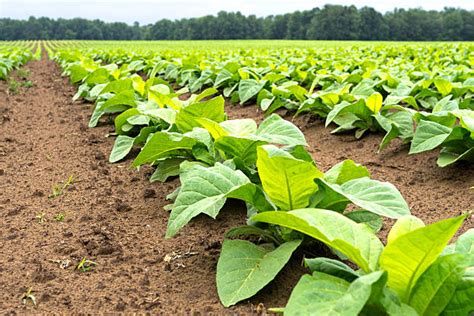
(41, 217)
(85, 265)
(28, 295)
(13, 86)
(28, 84)
(59, 217)
(23, 73)
(58, 189)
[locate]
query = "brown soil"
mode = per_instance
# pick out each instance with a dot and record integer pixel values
(115, 217)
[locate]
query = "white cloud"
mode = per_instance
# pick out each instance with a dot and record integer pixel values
(149, 11)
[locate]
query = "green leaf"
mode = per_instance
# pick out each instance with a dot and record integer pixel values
(403, 226)
(77, 73)
(465, 245)
(345, 171)
(374, 102)
(435, 287)
(212, 109)
(381, 198)
(444, 86)
(244, 148)
(122, 146)
(408, 256)
(204, 190)
(166, 168)
(244, 269)
(161, 144)
(355, 241)
(122, 118)
(248, 88)
(332, 267)
(373, 221)
(447, 158)
(289, 182)
(462, 302)
(428, 135)
(276, 130)
(323, 294)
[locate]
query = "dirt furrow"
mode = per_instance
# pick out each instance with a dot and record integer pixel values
(111, 215)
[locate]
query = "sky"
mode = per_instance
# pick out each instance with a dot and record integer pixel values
(149, 11)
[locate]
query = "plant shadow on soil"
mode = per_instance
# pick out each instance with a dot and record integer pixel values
(114, 216)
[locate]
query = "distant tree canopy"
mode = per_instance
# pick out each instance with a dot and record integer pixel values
(332, 22)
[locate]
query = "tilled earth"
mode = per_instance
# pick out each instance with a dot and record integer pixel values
(112, 215)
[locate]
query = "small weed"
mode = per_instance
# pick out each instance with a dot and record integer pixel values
(23, 73)
(59, 188)
(28, 295)
(85, 265)
(41, 217)
(27, 84)
(13, 86)
(59, 217)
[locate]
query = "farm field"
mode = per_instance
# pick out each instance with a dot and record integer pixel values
(323, 149)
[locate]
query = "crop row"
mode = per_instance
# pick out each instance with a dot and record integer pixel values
(291, 204)
(390, 89)
(12, 58)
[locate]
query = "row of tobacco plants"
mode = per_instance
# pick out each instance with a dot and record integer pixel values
(291, 204)
(385, 88)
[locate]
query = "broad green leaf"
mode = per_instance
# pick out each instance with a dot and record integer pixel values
(444, 86)
(447, 158)
(392, 133)
(167, 115)
(214, 128)
(428, 135)
(77, 73)
(276, 130)
(374, 102)
(408, 256)
(403, 226)
(162, 143)
(465, 245)
(240, 127)
(345, 171)
(122, 118)
(120, 99)
(204, 190)
(381, 198)
(244, 269)
(244, 148)
(98, 76)
(462, 302)
(118, 86)
(212, 109)
(373, 221)
(166, 168)
(248, 88)
(332, 267)
(435, 287)
(122, 146)
(323, 294)
(289, 182)
(354, 240)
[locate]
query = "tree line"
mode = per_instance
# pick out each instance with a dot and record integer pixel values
(332, 22)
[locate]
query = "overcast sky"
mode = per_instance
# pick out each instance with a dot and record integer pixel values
(149, 11)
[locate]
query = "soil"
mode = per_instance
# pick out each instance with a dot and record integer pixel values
(114, 216)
